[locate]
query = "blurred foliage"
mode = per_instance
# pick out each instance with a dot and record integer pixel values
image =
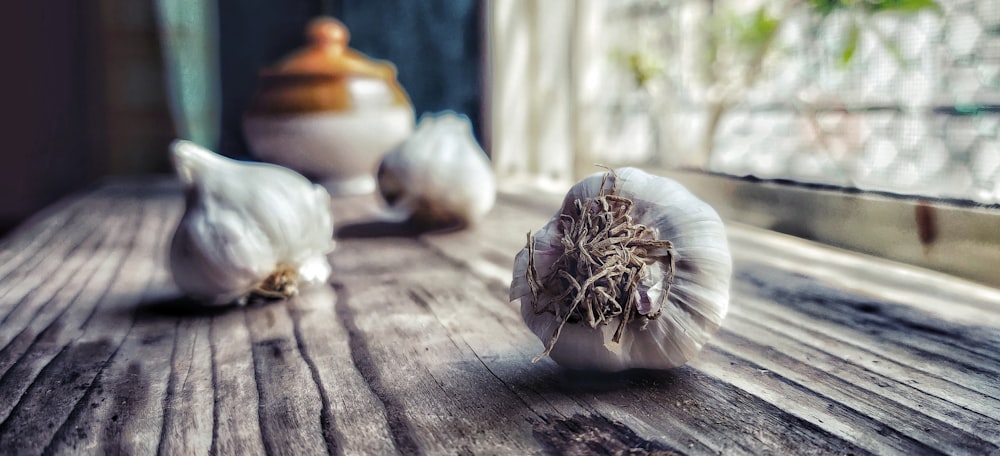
(747, 38)
(755, 30)
(643, 66)
(851, 44)
(858, 12)
(825, 7)
(737, 43)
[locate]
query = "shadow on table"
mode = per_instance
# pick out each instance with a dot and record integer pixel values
(602, 382)
(385, 229)
(179, 306)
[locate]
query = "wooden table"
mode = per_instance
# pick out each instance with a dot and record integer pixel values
(416, 349)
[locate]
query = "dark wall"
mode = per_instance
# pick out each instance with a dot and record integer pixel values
(435, 45)
(47, 146)
(253, 34)
(83, 97)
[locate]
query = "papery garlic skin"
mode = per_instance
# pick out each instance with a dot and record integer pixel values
(439, 176)
(696, 303)
(246, 224)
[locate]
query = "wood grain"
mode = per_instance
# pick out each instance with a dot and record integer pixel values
(415, 349)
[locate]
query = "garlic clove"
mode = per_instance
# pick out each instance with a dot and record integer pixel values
(679, 301)
(439, 176)
(248, 229)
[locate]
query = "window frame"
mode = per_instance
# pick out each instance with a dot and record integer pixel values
(955, 237)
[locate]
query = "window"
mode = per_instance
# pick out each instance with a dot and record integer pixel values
(870, 125)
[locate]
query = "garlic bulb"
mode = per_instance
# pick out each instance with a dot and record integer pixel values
(248, 229)
(632, 272)
(439, 176)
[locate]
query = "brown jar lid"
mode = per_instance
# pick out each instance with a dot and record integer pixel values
(318, 76)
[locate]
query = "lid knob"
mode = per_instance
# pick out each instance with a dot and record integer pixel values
(328, 32)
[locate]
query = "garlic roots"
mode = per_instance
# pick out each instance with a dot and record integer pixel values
(632, 272)
(249, 229)
(440, 176)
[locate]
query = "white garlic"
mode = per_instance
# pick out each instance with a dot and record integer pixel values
(439, 176)
(677, 300)
(248, 229)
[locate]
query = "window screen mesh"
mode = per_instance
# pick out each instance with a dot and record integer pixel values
(902, 102)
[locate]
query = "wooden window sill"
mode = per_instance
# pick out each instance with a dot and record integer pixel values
(415, 348)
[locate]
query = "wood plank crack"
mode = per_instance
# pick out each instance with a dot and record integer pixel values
(331, 434)
(400, 428)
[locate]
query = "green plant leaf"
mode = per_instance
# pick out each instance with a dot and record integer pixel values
(644, 67)
(901, 6)
(758, 30)
(850, 44)
(825, 7)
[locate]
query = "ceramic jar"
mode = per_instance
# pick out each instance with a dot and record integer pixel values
(328, 112)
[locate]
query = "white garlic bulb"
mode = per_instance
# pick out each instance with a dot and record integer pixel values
(248, 229)
(439, 176)
(632, 272)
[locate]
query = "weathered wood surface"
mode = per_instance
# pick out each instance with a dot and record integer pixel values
(415, 349)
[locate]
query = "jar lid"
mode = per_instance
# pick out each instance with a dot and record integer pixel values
(326, 75)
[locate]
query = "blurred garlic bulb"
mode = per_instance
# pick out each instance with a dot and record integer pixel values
(439, 176)
(248, 229)
(632, 272)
